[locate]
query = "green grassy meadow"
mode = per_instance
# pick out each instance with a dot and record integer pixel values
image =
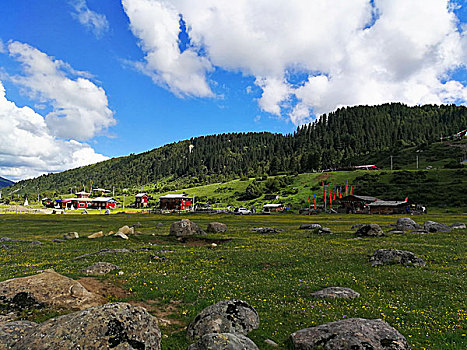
(275, 273)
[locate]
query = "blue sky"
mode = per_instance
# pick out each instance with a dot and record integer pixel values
(90, 79)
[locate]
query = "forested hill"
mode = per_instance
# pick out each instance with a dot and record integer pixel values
(5, 182)
(342, 138)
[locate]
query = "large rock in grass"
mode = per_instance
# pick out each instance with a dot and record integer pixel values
(185, 228)
(12, 332)
(51, 289)
(116, 325)
(227, 316)
(223, 341)
(406, 224)
(433, 226)
(395, 256)
(350, 334)
(216, 227)
(336, 292)
(370, 230)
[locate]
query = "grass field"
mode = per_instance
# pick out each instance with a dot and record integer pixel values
(275, 273)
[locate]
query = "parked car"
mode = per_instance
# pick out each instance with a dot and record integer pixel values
(242, 211)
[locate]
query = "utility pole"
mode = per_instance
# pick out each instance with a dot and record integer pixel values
(391, 163)
(417, 161)
(123, 201)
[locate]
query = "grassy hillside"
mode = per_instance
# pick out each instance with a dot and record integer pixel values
(346, 137)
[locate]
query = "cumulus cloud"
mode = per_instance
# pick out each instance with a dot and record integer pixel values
(93, 21)
(157, 25)
(28, 149)
(80, 108)
(356, 52)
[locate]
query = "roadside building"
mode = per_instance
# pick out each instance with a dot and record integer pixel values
(175, 202)
(82, 194)
(389, 207)
(104, 203)
(273, 208)
(47, 202)
(141, 200)
(354, 204)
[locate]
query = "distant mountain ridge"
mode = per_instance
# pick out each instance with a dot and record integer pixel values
(5, 182)
(342, 138)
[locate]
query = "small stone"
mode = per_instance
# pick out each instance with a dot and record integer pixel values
(121, 273)
(370, 230)
(110, 233)
(57, 240)
(35, 243)
(213, 245)
(271, 343)
(96, 235)
(336, 292)
(71, 235)
(126, 230)
(216, 227)
(396, 232)
(100, 268)
(264, 230)
(121, 235)
(324, 231)
(457, 226)
(309, 226)
(5, 246)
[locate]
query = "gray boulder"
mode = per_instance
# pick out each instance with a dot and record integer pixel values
(309, 226)
(457, 225)
(216, 227)
(433, 226)
(370, 230)
(395, 256)
(406, 224)
(336, 292)
(184, 228)
(100, 268)
(223, 341)
(12, 332)
(353, 333)
(71, 235)
(115, 325)
(227, 316)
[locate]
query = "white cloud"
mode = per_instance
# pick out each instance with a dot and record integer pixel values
(80, 108)
(351, 53)
(156, 24)
(93, 21)
(28, 149)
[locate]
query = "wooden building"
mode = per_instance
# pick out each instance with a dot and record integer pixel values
(354, 204)
(175, 202)
(82, 194)
(141, 200)
(86, 203)
(273, 208)
(389, 207)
